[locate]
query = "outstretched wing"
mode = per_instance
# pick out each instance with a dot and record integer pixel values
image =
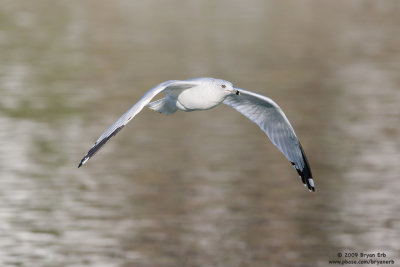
(135, 109)
(270, 118)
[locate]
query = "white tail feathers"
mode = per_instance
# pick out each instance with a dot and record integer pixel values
(164, 105)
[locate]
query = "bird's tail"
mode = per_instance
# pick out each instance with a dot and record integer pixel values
(163, 105)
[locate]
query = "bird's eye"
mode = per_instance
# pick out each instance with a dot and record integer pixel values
(223, 86)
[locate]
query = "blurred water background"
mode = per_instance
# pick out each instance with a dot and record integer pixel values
(201, 188)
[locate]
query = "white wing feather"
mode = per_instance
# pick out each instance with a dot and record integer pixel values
(135, 109)
(270, 118)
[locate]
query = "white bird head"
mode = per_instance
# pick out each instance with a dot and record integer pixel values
(224, 86)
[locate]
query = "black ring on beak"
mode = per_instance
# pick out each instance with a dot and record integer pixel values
(237, 92)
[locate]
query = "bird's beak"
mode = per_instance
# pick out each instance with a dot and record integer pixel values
(233, 91)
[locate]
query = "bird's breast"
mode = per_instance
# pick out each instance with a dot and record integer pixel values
(198, 98)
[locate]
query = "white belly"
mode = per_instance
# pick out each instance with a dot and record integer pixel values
(199, 98)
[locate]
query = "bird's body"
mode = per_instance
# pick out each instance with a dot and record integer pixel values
(206, 93)
(199, 98)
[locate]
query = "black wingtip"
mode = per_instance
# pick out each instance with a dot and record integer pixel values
(305, 176)
(83, 161)
(96, 147)
(305, 173)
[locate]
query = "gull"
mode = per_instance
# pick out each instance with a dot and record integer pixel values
(206, 93)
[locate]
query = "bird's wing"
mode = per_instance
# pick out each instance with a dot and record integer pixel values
(135, 109)
(270, 118)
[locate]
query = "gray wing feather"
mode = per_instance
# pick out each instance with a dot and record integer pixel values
(270, 118)
(133, 111)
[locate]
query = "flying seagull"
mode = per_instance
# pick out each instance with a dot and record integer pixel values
(206, 93)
